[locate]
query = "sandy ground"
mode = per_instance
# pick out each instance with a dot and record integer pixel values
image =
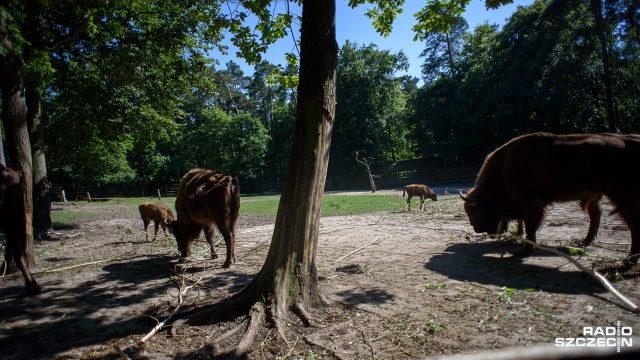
(421, 284)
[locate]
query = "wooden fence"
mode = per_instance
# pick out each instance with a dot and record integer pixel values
(460, 175)
(433, 177)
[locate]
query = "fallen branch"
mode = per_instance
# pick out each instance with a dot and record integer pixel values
(121, 353)
(61, 234)
(631, 306)
(164, 322)
(356, 250)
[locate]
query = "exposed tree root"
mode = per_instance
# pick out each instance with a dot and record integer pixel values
(299, 310)
(256, 315)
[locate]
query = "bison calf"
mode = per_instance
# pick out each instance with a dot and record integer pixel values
(421, 191)
(13, 221)
(159, 213)
(207, 198)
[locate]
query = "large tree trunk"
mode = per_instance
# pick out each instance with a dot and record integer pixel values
(14, 118)
(41, 188)
(289, 272)
(288, 278)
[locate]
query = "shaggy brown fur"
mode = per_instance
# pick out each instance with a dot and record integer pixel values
(207, 198)
(14, 223)
(421, 191)
(159, 213)
(522, 177)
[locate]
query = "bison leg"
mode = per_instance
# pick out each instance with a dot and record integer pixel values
(592, 207)
(32, 286)
(229, 241)
(422, 199)
(209, 234)
(630, 212)
(520, 228)
(20, 259)
(156, 227)
(408, 202)
(532, 222)
(146, 226)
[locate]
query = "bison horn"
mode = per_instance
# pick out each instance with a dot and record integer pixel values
(467, 199)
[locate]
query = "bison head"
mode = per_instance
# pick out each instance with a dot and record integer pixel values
(483, 215)
(174, 228)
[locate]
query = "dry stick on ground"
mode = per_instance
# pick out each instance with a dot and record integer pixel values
(121, 353)
(356, 250)
(631, 306)
(183, 291)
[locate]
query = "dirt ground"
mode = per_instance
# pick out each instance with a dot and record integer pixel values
(422, 284)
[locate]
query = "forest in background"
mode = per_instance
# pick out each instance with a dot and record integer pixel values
(136, 99)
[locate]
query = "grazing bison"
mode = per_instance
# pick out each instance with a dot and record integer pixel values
(159, 213)
(522, 177)
(589, 205)
(421, 191)
(14, 223)
(207, 198)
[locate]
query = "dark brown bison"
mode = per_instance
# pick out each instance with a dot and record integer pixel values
(159, 213)
(590, 205)
(522, 177)
(421, 191)
(14, 223)
(206, 199)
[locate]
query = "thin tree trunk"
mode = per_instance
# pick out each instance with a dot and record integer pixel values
(14, 118)
(3, 161)
(596, 8)
(289, 274)
(41, 188)
(452, 66)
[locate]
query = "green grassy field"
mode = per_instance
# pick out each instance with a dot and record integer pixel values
(331, 204)
(266, 205)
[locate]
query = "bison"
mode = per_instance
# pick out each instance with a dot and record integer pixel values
(522, 177)
(205, 199)
(159, 213)
(590, 205)
(13, 221)
(420, 190)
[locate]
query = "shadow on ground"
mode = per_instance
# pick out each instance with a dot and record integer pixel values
(90, 312)
(493, 263)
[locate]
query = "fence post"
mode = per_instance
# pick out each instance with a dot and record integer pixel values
(64, 197)
(88, 197)
(159, 197)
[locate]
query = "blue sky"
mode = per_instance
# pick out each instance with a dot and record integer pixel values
(353, 25)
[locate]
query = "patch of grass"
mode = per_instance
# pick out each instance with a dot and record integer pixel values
(368, 270)
(260, 204)
(67, 219)
(434, 286)
(332, 205)
(357, 204)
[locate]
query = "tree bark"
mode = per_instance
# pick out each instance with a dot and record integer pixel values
(14, 118)
(289, 275)
(41, 188)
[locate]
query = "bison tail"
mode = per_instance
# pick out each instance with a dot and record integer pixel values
(234, 203)
(404, 191)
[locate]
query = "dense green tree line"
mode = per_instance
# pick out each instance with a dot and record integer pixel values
(542, 71)
(135, 97)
